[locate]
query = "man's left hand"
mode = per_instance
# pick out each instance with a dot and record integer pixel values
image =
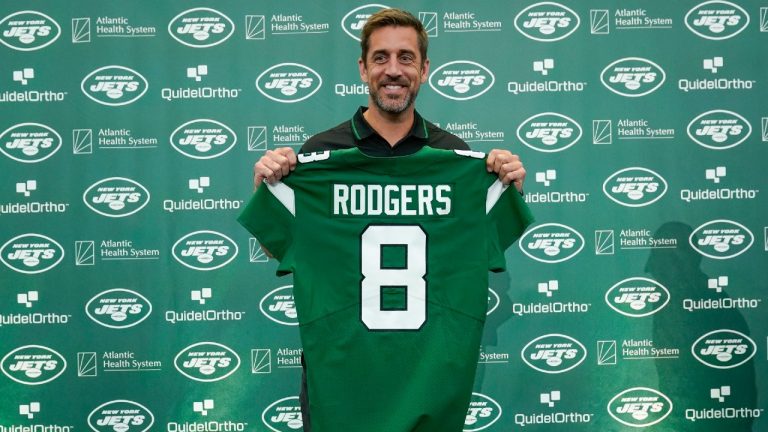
(508, 166)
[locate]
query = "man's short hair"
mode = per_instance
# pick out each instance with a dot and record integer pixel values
(397, 18)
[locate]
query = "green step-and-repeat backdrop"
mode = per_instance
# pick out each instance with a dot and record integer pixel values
(131, 300)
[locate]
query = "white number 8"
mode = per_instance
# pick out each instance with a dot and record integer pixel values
(411, 277)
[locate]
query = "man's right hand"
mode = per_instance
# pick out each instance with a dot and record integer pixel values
(274, 165)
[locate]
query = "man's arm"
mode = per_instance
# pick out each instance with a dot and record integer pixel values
(508, 166)
(274, 165)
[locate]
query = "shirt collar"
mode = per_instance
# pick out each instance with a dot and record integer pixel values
(362, 130)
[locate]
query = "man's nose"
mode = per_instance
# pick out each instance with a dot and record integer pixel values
(393, 67)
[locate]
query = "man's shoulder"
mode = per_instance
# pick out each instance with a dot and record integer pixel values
(337, 137)
(442, 139)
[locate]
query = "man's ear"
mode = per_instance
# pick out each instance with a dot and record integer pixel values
(425, 71)
(363, 70)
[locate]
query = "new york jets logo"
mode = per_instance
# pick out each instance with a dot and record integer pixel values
(118, 308)
(203, 139)
(116, 197)
(121, 416)
(547, 22)
(549, 132)
(461, 80)
(551, 243)
(724, 349)
(482, 413)
(719, 129)
(283, 415)
(637, 297)
(201, 27)
(114, 85)
(354, 20)
(204, 250)
(31, 253)
(33, 365)
(288, 82)
(721, 239)
(635, 187)
(207, 361)
(633, 77)
(28, 30)
(717, 20)
(278, 305)
(29, 142)
(553, 353)
(639, 407)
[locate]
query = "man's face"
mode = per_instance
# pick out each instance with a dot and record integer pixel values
(393, 68)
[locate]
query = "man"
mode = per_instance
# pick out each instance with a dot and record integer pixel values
(394, 64)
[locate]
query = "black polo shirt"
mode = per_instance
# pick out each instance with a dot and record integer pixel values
(358, 133)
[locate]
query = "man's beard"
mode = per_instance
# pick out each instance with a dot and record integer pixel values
(393, 106)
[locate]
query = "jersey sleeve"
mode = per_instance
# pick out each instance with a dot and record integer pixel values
(270, 216)
(507, 217)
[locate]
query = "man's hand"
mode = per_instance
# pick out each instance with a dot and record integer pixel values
(274, 165)
(508, 166)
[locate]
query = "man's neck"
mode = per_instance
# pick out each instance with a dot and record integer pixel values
(391, 127)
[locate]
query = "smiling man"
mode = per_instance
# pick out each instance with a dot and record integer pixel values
(394, 398)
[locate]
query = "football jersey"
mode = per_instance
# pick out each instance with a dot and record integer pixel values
(390, 259)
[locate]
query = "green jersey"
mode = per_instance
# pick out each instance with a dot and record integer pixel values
(390, 258)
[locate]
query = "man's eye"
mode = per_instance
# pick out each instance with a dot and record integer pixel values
(380, 59)
(406, 59)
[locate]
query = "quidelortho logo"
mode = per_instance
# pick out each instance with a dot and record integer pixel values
(551, 243)
(553, 353)
(717, 20)
(482, 413)
(204, 250)
(549, 132)
(721, 239)
(116, 197)
(635, 187)
(203, 139)
(33, 365)
(639, 407)
(207, 361)
(201, 27)
(279, 306)
(121, 416)
(28, 30)
(114, 85)
(353, 22)
(547, 22)
(31, 253)
(288, 82)
(283, 415)
(29, 142)
(118, 308)
(724, 349)
(461, 80)
(719, 129)
(637, 297)
(633, 77)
